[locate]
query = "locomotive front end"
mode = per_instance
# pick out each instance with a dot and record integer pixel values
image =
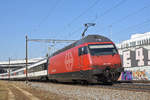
(105, 62)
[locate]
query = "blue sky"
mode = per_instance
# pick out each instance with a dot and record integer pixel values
(64, 19)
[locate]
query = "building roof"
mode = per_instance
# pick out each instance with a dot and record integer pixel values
(18, 63)
(136, 40)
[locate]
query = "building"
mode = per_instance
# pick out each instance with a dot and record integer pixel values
(135, 54)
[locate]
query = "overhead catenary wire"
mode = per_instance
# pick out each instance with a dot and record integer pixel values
(129, 15)
(105, 12)
(51, 40)
(51, 10)
(81, 14)
(144, 28)
(84, 12)
(110, 9)
(130, 27)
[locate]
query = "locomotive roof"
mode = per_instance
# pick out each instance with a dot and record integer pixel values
(89, 38)
(93, 38)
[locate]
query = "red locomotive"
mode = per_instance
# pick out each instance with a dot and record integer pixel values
(91, 59)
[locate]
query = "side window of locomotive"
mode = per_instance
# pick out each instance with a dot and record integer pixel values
(79, 51)
(83, 50)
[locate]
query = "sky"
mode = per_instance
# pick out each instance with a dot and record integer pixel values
(64, 20)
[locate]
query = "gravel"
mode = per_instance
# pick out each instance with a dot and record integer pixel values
(90, 92)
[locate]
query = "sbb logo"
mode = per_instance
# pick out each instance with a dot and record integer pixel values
(69, 61)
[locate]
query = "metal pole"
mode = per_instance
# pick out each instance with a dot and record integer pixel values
(83, 34)
(9, 68)
(26, 59)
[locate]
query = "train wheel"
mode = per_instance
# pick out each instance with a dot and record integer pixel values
(84, 82)
(115, 76)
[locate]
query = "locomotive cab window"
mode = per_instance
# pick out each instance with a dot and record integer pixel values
(83, 50)
(102, 49)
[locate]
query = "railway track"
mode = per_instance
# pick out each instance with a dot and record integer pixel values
(117, 91)
(139, 87)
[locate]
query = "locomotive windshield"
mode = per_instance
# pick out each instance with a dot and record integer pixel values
(102, 49)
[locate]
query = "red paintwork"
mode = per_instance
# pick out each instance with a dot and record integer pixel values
(57, 62)
(106, 60)
(84, 62)
(25, 71)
